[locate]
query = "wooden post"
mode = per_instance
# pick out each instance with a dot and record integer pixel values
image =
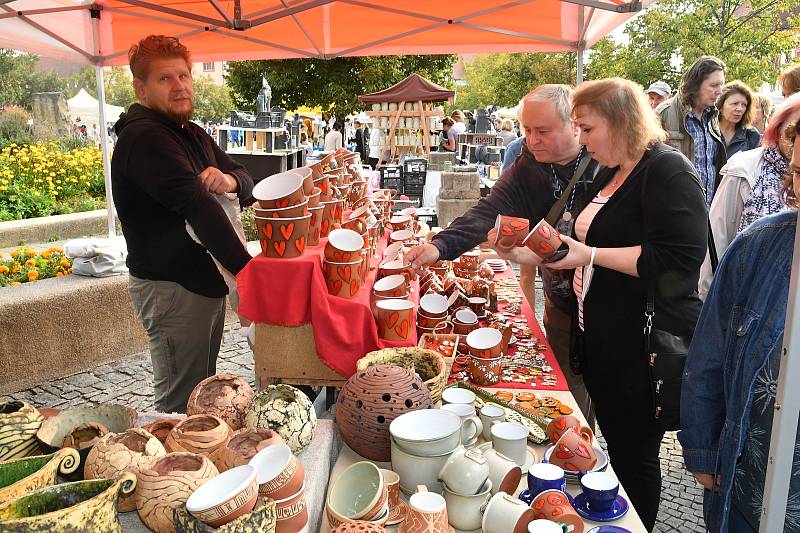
(393, 127)
(427, 138)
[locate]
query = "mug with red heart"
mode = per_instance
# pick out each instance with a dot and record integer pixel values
(554, 505)
(343, 279)
(344, 245)
(395, 319)
(510, 232)
(312, 237)
(545, 241)
(573, 453)
(559, 425)
(283, 238)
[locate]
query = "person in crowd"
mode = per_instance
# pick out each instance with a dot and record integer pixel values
(644, 228)
(452, 133)
(658, 92)
(309, 125)
(751, 185)
(529, 188)
(691, 120)
(165, 173)
(790, 80)
(732, 371)
(512, 152)
(447, 123)
(333, 139)
(506, 132)
(762, 111)
(735, 106)
(358, 138)
(377, 147)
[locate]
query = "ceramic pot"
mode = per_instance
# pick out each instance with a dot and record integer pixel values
(314, 226)
(19, 477)
(286, 410)
(279, 190)
(370, 400)
(19, 423)
(484, 371)
(278, 471)
(395, 319)
(222, 395)
(292, 513)
(359, 493)
(261, 519)
(343, 279)
(166, 485)
(427, 364)
(68, 507)
(226, 497)
(243, 444)
(115, 453)
(160, 428)
(283, 238)
(201, 434)
(84, 436)
(328, 217)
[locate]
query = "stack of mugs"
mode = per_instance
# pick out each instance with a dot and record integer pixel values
(343, 263)
(485, 353)
(432, 315)
(282, 215)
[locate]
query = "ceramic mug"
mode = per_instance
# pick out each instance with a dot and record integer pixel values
(458, 395)
(557, 427)
(395, 319)
(392, 481)
(427, 513)
(490, 413)
(511, 439)
(504, 473)
(510, 232)
(469, 260)
(465, 511)
(506, 514)
(572, 452)
(543, 240)
(484, 371)
(486, 343)
(478, 305)
(554, 505)
(601, 489)
(314, 226)
(343, 279)
(545, 476)
(465, 471)
(466, 412)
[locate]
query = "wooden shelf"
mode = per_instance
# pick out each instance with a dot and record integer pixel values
(404, 113)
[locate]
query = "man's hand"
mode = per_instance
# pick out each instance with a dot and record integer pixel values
(216, 182)
(521, 255)
(422, 255)
(708, 481)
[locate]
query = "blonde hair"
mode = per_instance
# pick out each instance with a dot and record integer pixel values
(507, 125)
(623, 104)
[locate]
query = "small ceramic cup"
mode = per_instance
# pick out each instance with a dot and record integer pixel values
(392, 481)
(485, 343)
(554, 505)
(506, 514)
(511, 439)
(426, 509)
(490, 413)
(485, 371)
(225, 497)
(458, 395)
(557, 427)
(465, 471)
(601, 489)
(291, 513)
(279, 473)
(573, 453)
(465, 511)
(543, 240)
(544, 526)
(395, 319)
(504, 473)
(545, 476)
(510, 232)
(478, 305)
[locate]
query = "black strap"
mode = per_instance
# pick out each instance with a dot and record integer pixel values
(558, 207)
(649, 313)
(712, 249)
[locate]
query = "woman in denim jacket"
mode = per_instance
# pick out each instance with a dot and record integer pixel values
(732, 370)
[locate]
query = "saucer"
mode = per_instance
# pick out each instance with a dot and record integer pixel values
(616, 512)
(525, 496)
(574, 475)
(398, 514)
(609, 529)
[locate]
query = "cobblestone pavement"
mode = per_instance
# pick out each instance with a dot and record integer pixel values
(130, 382)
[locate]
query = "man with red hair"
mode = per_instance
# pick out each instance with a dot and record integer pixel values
(165, 173)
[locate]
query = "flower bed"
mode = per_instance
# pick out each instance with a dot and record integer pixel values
(43, 179)
(25, 264)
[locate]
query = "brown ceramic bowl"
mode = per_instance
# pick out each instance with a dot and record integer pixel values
(343, 279)
(283, 238)
(279, 472)
(344, 246)
(279, 190)
(292, 513)
(294, 211)
(225, 497)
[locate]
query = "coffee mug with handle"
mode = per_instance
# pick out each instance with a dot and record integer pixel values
(427, 513)
(511, 439)
(559, 425)
(490, 413)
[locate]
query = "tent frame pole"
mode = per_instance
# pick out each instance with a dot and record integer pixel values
(581, 47)
(786, 410)
(101, 101)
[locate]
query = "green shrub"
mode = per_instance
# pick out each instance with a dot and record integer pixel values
(14, 128)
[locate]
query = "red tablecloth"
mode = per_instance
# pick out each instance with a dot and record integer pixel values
(292, 292)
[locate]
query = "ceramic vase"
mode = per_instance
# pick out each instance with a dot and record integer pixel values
(69, 507)
(21, 476)
(201, 434)
(243, 444)
(167, 484)
(19, 423)
(160, 428)
(115, 453)
(84, 436)
(368, 403)
(286, 410)
(222, 395)
(262, 519)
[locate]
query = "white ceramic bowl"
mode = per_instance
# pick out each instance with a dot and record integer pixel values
(466, 316)
(417, 470)
(401, 235)
(345, 240)
(434, 304)
(484, 338)
(237, 485)
(357, 490)
(389, 283)
(277, 186)
(394, 304)
(391, 251)
(459, 395)
(427, 432)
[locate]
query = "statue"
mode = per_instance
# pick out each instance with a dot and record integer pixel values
(264, 98)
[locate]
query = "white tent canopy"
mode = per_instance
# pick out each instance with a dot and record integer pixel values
(86, 107)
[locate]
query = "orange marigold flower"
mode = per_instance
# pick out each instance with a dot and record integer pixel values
(15, 253)
(59, 274)
(15, 269)
(64, 263)
(3, 269)
(33, 275)
(30, 263)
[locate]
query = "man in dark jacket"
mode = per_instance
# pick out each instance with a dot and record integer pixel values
(165, 173)
(528, 189)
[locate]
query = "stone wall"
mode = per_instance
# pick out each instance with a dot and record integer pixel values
(55, 227)
(459, 192)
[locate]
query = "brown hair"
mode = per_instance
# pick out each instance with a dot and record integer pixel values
(790, 80)
(447, 121)
(702, 68)
(738, 87)
(153, 47)
(623, 104)
(789, 195)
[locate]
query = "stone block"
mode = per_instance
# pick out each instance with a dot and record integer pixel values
(62, 227)
(448, 210)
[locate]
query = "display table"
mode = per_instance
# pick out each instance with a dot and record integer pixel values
(263, 164)
(630, 521)
(318, 460)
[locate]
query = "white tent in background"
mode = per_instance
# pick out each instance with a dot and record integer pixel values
(86, 107)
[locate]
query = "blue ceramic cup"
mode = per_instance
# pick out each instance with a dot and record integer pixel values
(545, 476)
(601, 489)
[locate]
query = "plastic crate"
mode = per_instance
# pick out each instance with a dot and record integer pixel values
(413, 189)
(414, 178)
(393, 183)
(391, 171)
(415, 166)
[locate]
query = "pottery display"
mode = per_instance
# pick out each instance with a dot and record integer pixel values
(166, 485)
(243, 444)
(286, 410)
(359, 493)
(201, 434)
(115, 453)
(554, 505)
(19, 422)
(279, 472)
(291, 513)
(68, 507)
(370, 400)
(222, 395)
(84, 436)
(26, 474)
(225, 497)
(261, 519)
(160, 428)
(358, 526)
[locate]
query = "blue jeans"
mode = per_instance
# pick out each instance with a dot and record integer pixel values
(737, 522)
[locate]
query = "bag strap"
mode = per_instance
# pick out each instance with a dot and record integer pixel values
(649, 313)
(558, 207)
(712, 249)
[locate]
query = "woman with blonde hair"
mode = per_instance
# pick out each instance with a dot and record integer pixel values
(642, 238)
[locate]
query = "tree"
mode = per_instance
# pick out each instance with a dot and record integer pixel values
(19, 79)
(333, 84)
(211, 101)
(750, 36)
(503, 79)
(119, 87)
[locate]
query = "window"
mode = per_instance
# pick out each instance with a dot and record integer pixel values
(208, 67)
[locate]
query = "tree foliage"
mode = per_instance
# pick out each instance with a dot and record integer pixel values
(333, 84)
(19, 79)
(750, 36)
(503, 79)
(211, 101)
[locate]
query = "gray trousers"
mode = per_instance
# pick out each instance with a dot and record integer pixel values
(184, 331)
(557, 327)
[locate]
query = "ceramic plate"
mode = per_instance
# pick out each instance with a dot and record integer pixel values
(617, 511)
(397, 515)
(609, 529)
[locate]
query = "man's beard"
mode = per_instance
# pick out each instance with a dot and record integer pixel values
(181, 117)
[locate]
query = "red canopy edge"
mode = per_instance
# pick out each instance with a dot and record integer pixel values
(412, 89)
